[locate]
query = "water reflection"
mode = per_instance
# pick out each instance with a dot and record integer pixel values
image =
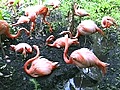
(86, 79)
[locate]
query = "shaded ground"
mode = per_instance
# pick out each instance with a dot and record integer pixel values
(13, 77)
(112, 80)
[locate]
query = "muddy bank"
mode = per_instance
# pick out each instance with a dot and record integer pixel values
(13, 77)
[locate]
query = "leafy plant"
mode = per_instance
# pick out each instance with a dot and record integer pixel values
(35, 84)
(1, 17)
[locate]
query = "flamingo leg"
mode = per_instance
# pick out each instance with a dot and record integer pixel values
(85, 40)
(82, 76)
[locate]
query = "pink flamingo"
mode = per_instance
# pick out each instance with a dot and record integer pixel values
(87, 27)
(39, 66)
(84, 58)
(61, 42)
(5, 30)
(108, 21)
(22, 47)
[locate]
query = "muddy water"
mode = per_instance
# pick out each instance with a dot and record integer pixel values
(107, 50)
(86, 80)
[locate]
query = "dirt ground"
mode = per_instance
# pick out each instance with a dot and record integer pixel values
(13, 77)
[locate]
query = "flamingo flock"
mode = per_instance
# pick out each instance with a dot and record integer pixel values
(83, 57)
(5, 30)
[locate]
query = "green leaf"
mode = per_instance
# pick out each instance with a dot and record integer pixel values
(1, 17)
(16, 2)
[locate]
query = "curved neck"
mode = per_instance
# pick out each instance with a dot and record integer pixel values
(49, 39)
(104, 24)
(66, 52)
(100, 31)
(18, 33)
(32, 59)
(66, 58)
(67, 32)
(75, 6)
